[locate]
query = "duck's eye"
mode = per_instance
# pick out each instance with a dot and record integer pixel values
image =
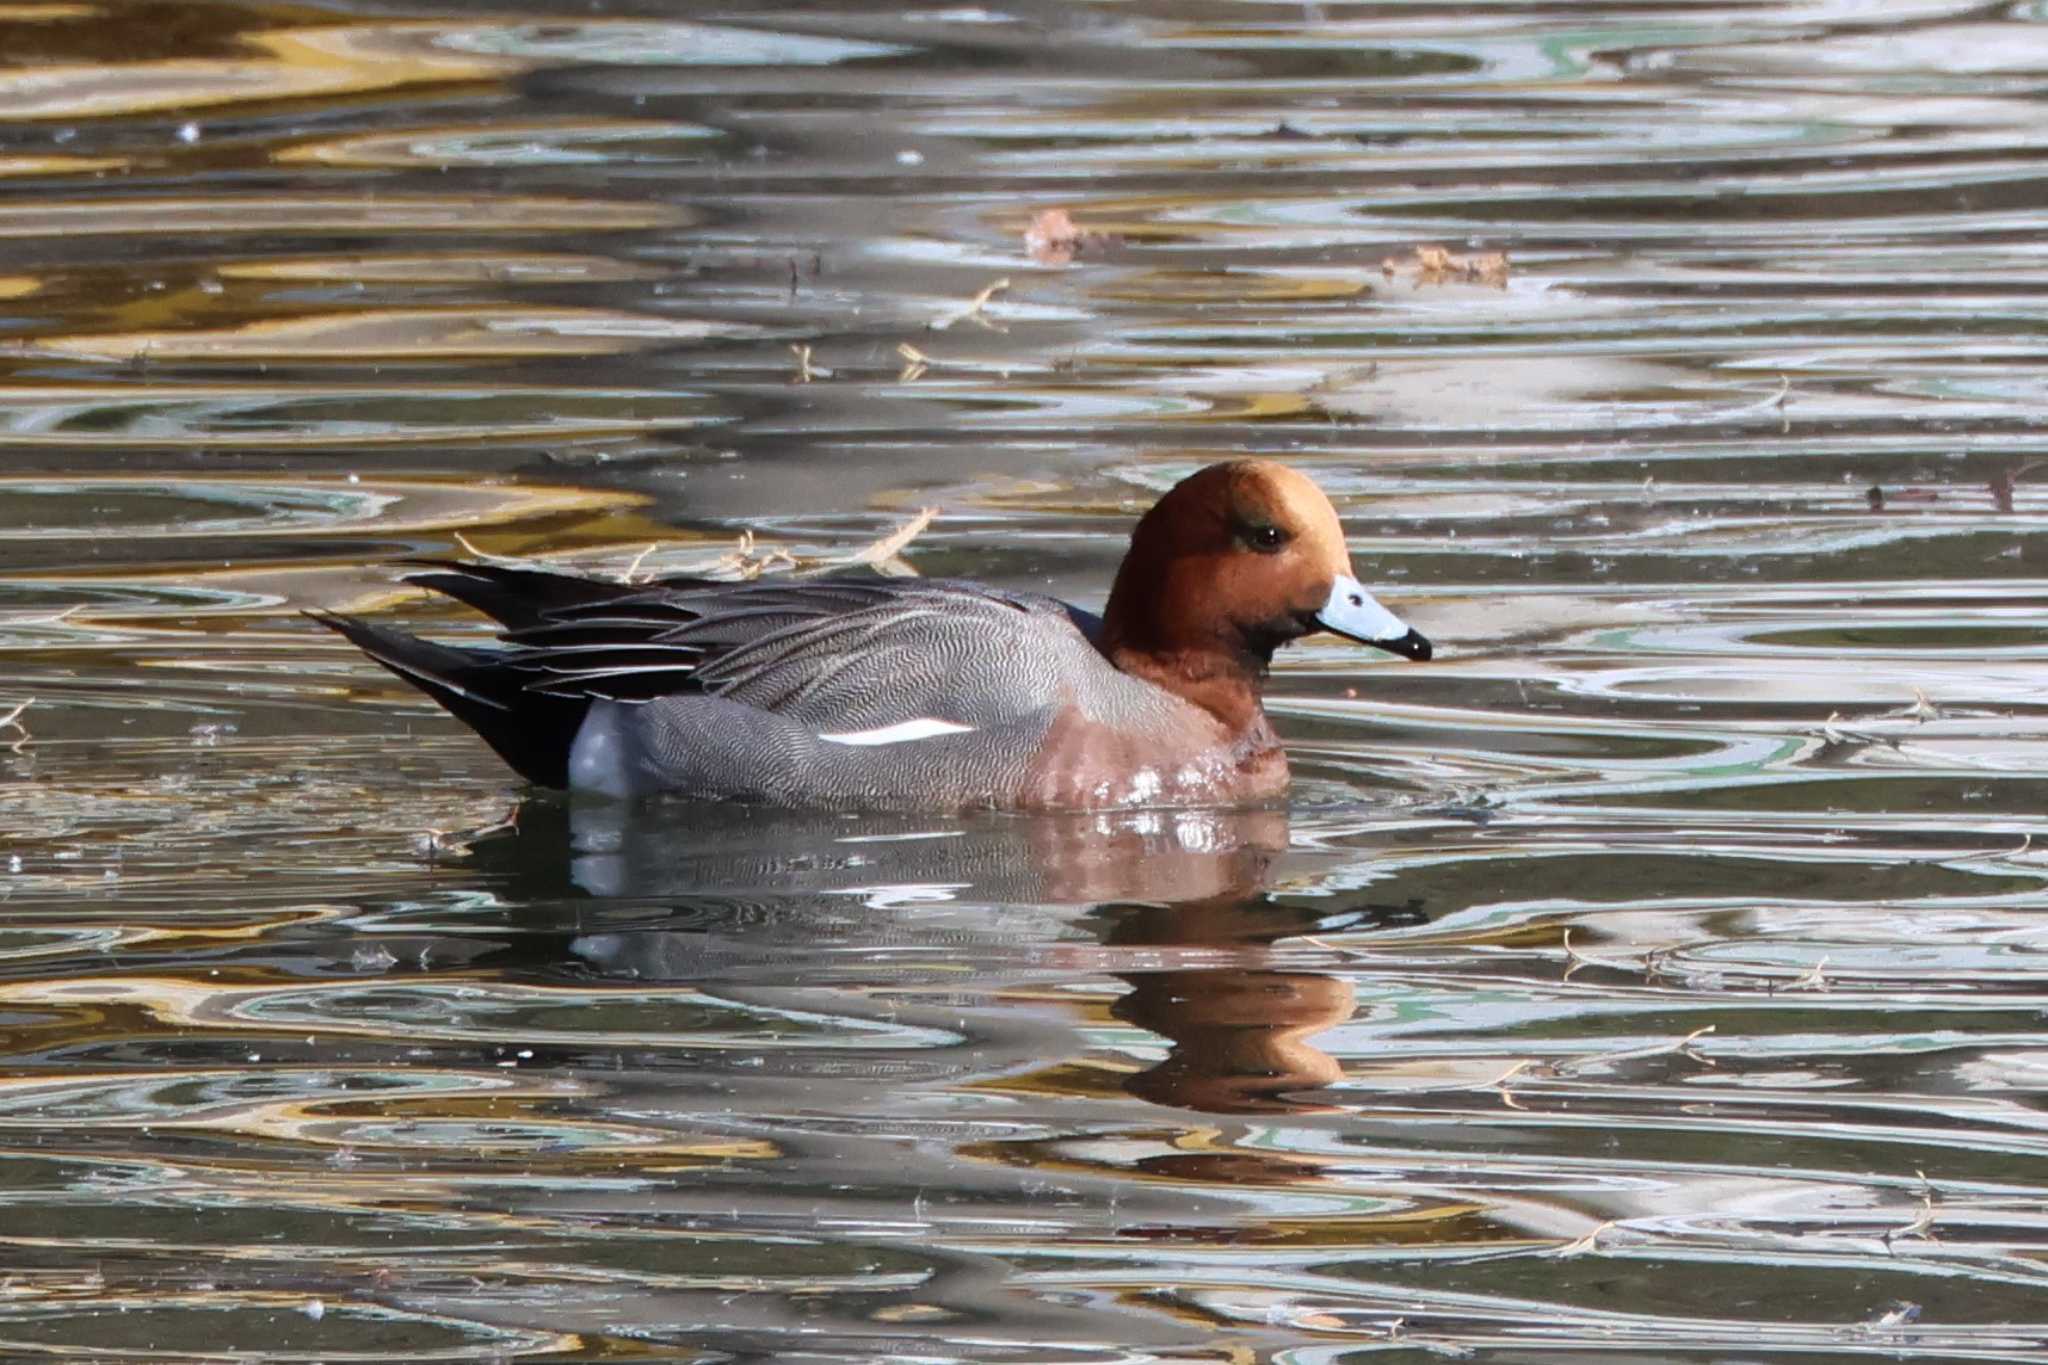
(1266, 539)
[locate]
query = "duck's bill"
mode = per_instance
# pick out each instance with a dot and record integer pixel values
(1352, 613)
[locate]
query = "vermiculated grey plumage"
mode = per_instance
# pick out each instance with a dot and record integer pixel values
(783, 690)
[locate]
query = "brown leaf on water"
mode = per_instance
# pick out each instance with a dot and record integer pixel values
(1053, 237)
(1437, 265)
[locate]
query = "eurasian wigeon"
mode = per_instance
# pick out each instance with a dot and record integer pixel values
(916, 693)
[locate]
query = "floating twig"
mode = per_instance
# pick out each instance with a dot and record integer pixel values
(12, 721)
(1574, 959)
(628, 574)
(973, 311)
(1583, 1246)
(1682, 1046)
(1922, 1226)
(1813, 979)
(469, 545)
(882, 555)
(1919, 712)
(1500, 1082)
(805, 370)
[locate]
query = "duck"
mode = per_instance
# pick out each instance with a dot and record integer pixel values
(911, 693)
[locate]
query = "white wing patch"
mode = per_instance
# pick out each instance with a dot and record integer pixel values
(924, 727)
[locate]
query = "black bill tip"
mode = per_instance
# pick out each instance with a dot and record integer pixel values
(1409, 646)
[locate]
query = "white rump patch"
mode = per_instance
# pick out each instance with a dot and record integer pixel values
(924, 727)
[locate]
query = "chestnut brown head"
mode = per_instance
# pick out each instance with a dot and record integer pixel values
(1236, 560)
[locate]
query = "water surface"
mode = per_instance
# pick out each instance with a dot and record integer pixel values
(1655, 975)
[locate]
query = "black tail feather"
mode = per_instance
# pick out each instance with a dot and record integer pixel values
(532, 731)
(520, 599)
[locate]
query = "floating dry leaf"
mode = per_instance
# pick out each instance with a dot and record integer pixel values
(1436, 265)
(1054, 238)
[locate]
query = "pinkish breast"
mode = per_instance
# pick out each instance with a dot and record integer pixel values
(1084, 765)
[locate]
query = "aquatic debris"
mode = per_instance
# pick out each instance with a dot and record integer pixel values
(1501, 1082)
(1587, 1245)
(1332, 398)
(972, 311)
(1775, 402)
(915, 363)
(1813, 979)
(2004, 483)
(628, 574)
(1682, 1047)
(1919, 712)
(1898, 1313)
(1923, 1225)
(745, 563)
(372, 957)
(1574, 959)
(1435, 265)
(805, 370)
(470, 548)
(1877, 497)
(12, 721)
(1054, 238)
(883, 555)
(1833, 736)
(748, 559)
(432, 843)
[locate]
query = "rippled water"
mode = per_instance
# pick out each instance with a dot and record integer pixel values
(1656, 975)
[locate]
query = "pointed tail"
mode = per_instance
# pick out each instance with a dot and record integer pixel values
(530, 730)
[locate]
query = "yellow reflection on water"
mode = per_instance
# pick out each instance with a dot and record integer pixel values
(408, 333)
(317, 213)
(278, 64)
(495, 144)
(440, 267)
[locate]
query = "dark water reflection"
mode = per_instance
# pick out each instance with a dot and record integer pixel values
(1655, 975)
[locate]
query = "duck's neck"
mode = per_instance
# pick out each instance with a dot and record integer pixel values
(1163, 623)
(1222, 681)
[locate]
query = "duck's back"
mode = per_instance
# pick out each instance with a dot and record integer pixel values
(931, 694)
(928, 694)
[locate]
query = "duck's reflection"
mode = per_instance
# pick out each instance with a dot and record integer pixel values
(1240, 1034)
